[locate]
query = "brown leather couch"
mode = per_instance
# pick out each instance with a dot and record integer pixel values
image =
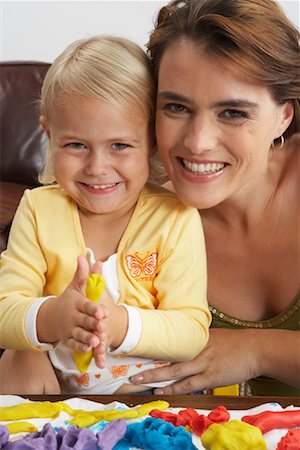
(22, 140)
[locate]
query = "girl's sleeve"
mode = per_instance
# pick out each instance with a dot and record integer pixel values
(178, 328)
(22, 276)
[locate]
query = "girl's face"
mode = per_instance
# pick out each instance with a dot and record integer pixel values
(100, 154)
(214, 126)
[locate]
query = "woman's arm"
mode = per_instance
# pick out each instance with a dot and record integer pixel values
(231, 357)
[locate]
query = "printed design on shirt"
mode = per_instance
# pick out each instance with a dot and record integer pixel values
(161, 364)
(119, 371)
(143, 269)
(82, 380)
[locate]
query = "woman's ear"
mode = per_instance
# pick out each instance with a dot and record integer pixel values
(44, 124)
(287, 115)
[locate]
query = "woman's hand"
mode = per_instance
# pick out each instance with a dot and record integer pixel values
(228, 358)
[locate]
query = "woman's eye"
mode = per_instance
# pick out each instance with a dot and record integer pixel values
(76, 145)
(175, 108)
(234, 114)
(118, 146)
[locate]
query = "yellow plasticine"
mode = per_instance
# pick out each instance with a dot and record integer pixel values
(81, 418)
(233, 389)
(29, 411)
(144, 409)
(86, 419)
(20, 427)
(95, 285)
(233, 435)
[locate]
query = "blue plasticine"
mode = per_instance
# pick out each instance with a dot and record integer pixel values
(156, 434)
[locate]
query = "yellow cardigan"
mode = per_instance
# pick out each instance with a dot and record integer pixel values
(161, 266)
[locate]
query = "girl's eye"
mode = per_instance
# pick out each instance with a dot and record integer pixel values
(234, 114)
(76, 145)
(118, 146)
(175, 108)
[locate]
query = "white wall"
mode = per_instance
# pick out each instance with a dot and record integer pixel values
(40, 30)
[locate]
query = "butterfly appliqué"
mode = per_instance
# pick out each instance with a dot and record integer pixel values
(138, 266)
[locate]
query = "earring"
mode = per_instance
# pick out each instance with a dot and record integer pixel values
(281, 143)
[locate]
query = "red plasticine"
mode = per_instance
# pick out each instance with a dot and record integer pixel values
(270, 420)
(173, 418)
(219, 415)
(188, 415)
(291, 441)
(198, 422)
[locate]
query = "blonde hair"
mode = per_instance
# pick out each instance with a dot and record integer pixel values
(107, 68)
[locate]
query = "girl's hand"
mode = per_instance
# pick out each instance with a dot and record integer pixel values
(228, 358)
(116, 327)
(71, 318)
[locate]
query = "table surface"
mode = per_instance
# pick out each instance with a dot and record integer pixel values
(184, 401)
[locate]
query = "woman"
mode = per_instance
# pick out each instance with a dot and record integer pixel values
(228, 89)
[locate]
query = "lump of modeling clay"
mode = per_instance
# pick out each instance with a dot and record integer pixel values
(4, 435)
(219, 415)
(111, 434)
(29, 411)
(95, 285)
(197, 422)
(270, 420)
(41, 440)
(155, 434)
(291, 441)
(20, 427)
(76, 438)
(234, 435)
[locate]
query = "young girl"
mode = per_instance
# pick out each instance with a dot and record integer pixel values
(97, 110)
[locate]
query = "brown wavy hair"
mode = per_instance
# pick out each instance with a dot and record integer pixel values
(254, 35)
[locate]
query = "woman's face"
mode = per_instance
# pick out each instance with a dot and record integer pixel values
(214, 126)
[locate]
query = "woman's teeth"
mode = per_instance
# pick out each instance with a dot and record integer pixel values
(203, 169)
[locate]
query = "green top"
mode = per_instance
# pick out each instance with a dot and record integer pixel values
(288, 319)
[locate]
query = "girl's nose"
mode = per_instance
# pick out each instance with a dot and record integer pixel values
(200, 135)
(97, 163)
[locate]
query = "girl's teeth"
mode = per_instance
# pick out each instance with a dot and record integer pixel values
(203, 169)
(102, 186)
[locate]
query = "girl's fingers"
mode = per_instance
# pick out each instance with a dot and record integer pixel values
(84, 337)
(100, 358)
(92, 309)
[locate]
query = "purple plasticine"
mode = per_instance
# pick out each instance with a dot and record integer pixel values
(4, 435)
(111, 434)
(76, 438)
(41, 440)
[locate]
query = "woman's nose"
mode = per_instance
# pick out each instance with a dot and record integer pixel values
(200, 135)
